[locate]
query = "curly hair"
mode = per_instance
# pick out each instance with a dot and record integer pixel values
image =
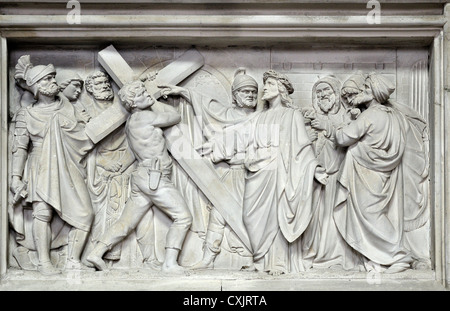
(128, 92)
(89, 81)
(284, 86)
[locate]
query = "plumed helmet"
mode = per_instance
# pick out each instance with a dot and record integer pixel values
(241, 79)
(28, 75)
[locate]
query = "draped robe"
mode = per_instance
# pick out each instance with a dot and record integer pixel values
(279, 184)
(56, 174)
(369, 209)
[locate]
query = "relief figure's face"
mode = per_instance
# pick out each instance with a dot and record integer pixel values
(364, 97)
(73, 90)
(270, 90)
(101, 89)
(142, 100)
(246, 97)
(48, 86)
(326, 98)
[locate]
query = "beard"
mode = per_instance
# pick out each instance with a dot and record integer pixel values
(362, 99)
(104, 95)
(326, 103)
(50, 90)
(246, 103)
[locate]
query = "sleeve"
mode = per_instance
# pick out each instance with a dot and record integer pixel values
(352, 133)
(222, 149)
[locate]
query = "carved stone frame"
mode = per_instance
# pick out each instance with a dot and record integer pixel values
(263, 29)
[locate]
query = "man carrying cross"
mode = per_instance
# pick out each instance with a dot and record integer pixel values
(150, 182)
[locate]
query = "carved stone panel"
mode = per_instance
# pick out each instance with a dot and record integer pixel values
(282, 160)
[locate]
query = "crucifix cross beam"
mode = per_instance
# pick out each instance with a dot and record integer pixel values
(199, 169)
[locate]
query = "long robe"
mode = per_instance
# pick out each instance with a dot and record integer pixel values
(416, 168)
(323, 245)
(279, 189)
(369, 201)
(109, 191)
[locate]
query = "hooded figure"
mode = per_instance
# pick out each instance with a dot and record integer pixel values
(369, 208)
(323, 245)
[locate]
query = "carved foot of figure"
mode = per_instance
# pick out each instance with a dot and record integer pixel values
(77, 265)
(249, 268)
(420, 265)
(153, 264)
(21, 254)
(203, 264)
(397, 267)
(46, 268)
(173, 269)
(275, 272)
(207, 261)
(87, 263)
(95, 257)
(98, 262)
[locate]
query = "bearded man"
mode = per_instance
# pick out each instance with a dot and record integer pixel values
(323, 245)
(369, 210)
(109, 167)
(244, 91)
(48, 146)
(281, 171)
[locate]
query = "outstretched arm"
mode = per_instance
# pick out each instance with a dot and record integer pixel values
(167, 90)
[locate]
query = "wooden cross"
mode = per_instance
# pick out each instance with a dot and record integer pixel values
(199, 169)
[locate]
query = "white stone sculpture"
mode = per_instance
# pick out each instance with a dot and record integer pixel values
(109, 166)
(279, 186)
(260, 182)
(371, 209)
(49, 145)
(71, 85)
(150, 181)
(323, 245)
(216, 116)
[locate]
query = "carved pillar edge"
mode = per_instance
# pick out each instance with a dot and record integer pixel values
(4, 155)
(446, 143)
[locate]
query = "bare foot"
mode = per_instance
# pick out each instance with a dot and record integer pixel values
(172, 269)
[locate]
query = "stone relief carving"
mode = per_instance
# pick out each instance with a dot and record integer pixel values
(109, 164)
(262, 184)
(48, 147)
(323, 246)
(150, 181)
